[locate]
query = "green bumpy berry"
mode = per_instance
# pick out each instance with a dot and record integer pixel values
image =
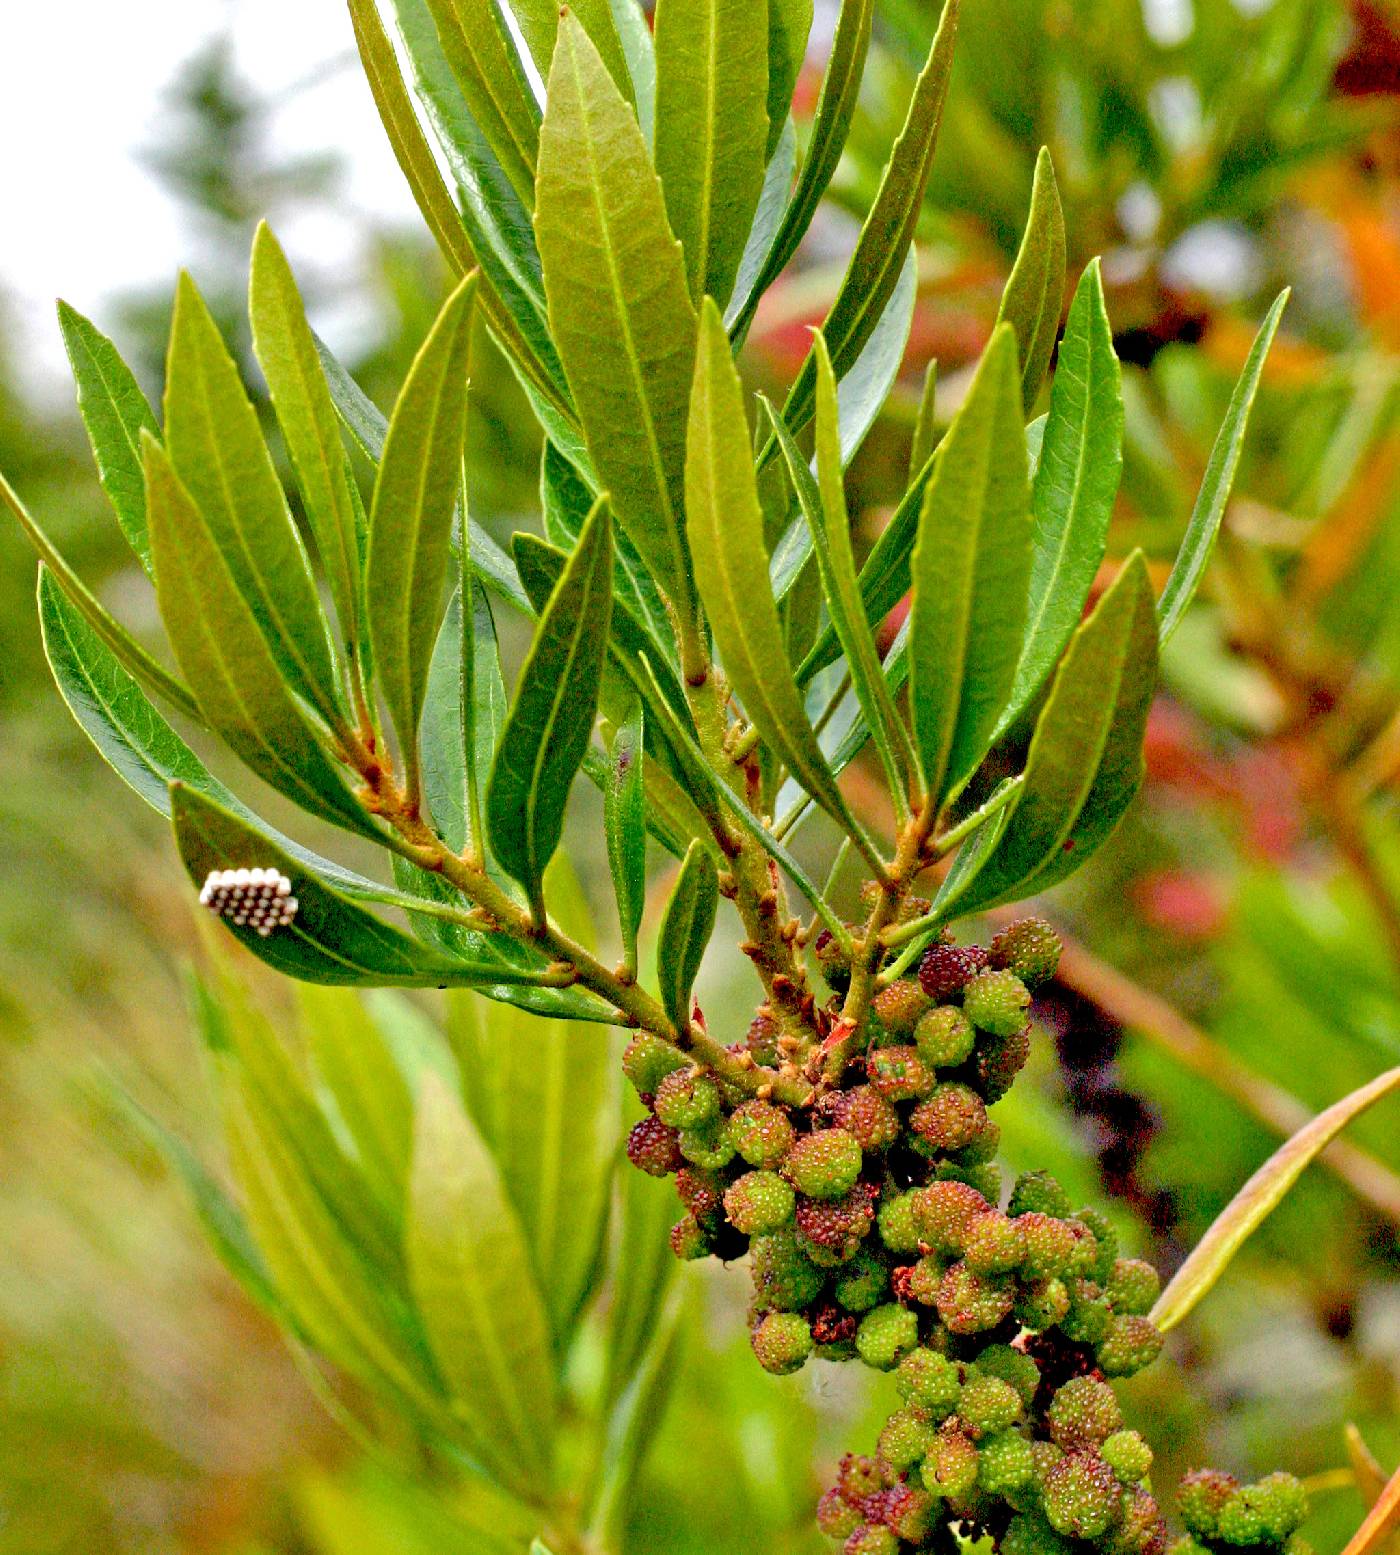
(999, 1060)
(1006, 1463)
(1039, 1193)
(997, 1002)
(986, 1179)
(759, 1202)
(858, 1478)
(1030, 948)
(709, 1145)
(1107, 1239)
(931, 1381)
(784, 1278)
(1080, 1496)
(923, 1279)
(886, 1334)
(906, 1439)
(870, 1117)
(836, 1517)
(1268, 1511)
(1186, 1545)
(1001, 1360)
(950, 1470)
(1042, 1304)
(1083, 1413)
(899, 1074)
(944, 1037)
(647, 1062)
(1141, 1529)
(951, 1119)
(896, 1223)
(760, 1132)
(861, 1283)
(688, 1240)
(1132, 1287)
(910, 1513)
(824, 1165)
(1200, 1498)
(1030, 1534)
(1240, 1520)
(1128, 1455)
(687, 1098)
(995, 1244)
(1132, 1343)
(981, 1151)
(1089, 1317)
(971, 1303)
(944, 1212)
(782, 1341)
(988, 1405)
(700, 1191)
(899, 1006)
(762, 1038)
(1050, 1246)
(872, 1539)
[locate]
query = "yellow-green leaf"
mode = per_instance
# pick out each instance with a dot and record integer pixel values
(1035, 291)
(686, 927)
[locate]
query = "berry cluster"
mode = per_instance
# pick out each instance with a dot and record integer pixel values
(874, 1227)
(260, 898)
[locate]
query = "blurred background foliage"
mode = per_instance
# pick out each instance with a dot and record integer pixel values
(1244, 925)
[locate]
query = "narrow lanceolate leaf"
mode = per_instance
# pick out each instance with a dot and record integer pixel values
(1085, 760)
(287, 353)
(1076, 481)
(331, 940)
(970, 567)
(410, 530)
(1035, 291)
(711, 130)
(217, 449)
(442, 743)
(539, 25)
(618, 304)
(481, 52)
(726, 535)
(1214, 495)
(624, 815)
(1259, 1197)
(836, 106)
(228, 663)
(476, 1293)
(686, 927)
(883, 245)
(789, 27)
(552, 716)
(115, 413)
(925, 424)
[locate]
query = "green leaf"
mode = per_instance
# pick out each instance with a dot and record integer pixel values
(634, 31)
(539, 24)
(883, 245)
(1035, 290)
(773, 202)
(618, 305)
(789, 27)
(331, 940)
(836, 107)
(925, 426)
(1085, 759)
(443, 739)
(479, 48)
(624, 819)
(686, 927)
(1076, 481)
(115, 413)
(725, 525)
(867, 383)
(410, 529)
(227, 661)
(217, 450)
(711, 130)
(556, 699)
(476, 1293)
(970, 569)
(1259, 1197)
(287, 354)
(1219, 480)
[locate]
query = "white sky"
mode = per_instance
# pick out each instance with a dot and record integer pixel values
(80, 93)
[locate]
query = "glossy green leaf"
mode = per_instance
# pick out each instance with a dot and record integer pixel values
(1035, 290)
(970, 568)
(618, 304)
(481, 52)
(1259, 1197)
(925, 424)
(773, 201)
(287, 353)
(227, 661)
(331, 940)
(866, 385)
(726, 536)
(1085, 760)
(836, 106)
(1218, 482)
(686, 927)
(551, 718)
(475, 1291)
(624, 817)
(115, 412)
(539, 24)
(711, 130)
(634, 32)
(1076, 482)
(789, 27)
(442, 739)
(883, 245)
(410, 529)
